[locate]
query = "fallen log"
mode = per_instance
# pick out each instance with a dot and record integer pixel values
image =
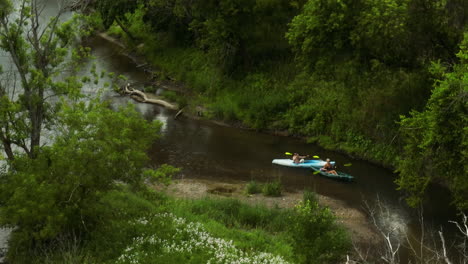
(144, 98)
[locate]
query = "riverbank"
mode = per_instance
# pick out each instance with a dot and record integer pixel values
(355, 221)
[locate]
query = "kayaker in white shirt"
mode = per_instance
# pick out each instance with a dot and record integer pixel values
(298, 158)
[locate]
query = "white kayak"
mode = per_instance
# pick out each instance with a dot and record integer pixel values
(305, 164)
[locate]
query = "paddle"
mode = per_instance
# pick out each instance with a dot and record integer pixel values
(290, 154)
(347, 164)
(316, 172)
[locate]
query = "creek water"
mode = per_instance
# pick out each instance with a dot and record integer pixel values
(204, 150)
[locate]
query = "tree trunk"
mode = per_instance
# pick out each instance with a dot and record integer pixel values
(124, 28)
(7, 147)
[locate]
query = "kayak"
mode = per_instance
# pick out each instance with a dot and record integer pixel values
(340, 176)
(305, 164)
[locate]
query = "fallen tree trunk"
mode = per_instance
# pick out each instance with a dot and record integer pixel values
(145, 99)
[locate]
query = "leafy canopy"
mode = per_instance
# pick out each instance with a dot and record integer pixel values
(95, 150)
(436, 139)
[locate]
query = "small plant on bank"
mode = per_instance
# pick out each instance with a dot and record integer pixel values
(272, 188)
(253, 187)
(309, 196)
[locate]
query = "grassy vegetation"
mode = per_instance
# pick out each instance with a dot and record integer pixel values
(253, 187)
(272, 188)
(148, 227)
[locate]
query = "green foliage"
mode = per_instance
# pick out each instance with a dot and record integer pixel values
(55, 194)
(253, 187)
(436, 139)
(316, 237)
(39, 54)
(309, 196)
(114, 10)
(272, 188)
(175, 97)
(234, 32)
(116, 209)
(321, 29)
(233, 213)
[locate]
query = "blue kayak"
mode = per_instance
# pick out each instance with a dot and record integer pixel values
(340, 176)
(305, 164)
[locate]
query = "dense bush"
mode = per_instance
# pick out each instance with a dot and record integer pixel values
(55, 196)
(436, 139)
(317, 238)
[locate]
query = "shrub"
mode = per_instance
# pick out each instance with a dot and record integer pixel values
(317, 238)
(309, 196)
(272, 189)
(253, 187)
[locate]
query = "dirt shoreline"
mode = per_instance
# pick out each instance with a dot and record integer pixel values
(355, 221)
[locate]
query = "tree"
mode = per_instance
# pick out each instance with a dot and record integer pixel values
(322, 29)
(114, 11)
(382, 31)
(51, 191)
(39, 55)
(436, 139)
(95, 150)
(236, 33)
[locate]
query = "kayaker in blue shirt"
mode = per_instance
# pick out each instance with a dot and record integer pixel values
(328, 168)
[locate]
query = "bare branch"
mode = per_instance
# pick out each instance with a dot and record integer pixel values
(446, 259)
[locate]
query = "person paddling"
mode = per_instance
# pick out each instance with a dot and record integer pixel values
(328, 167)
(298, 158)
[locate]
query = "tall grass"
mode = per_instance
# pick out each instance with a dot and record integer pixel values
(148, 227)
(253, 187)
(272, 188)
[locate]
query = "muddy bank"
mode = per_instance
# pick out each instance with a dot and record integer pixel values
(356, 222)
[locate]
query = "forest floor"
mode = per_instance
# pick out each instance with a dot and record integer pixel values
(356, 222)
